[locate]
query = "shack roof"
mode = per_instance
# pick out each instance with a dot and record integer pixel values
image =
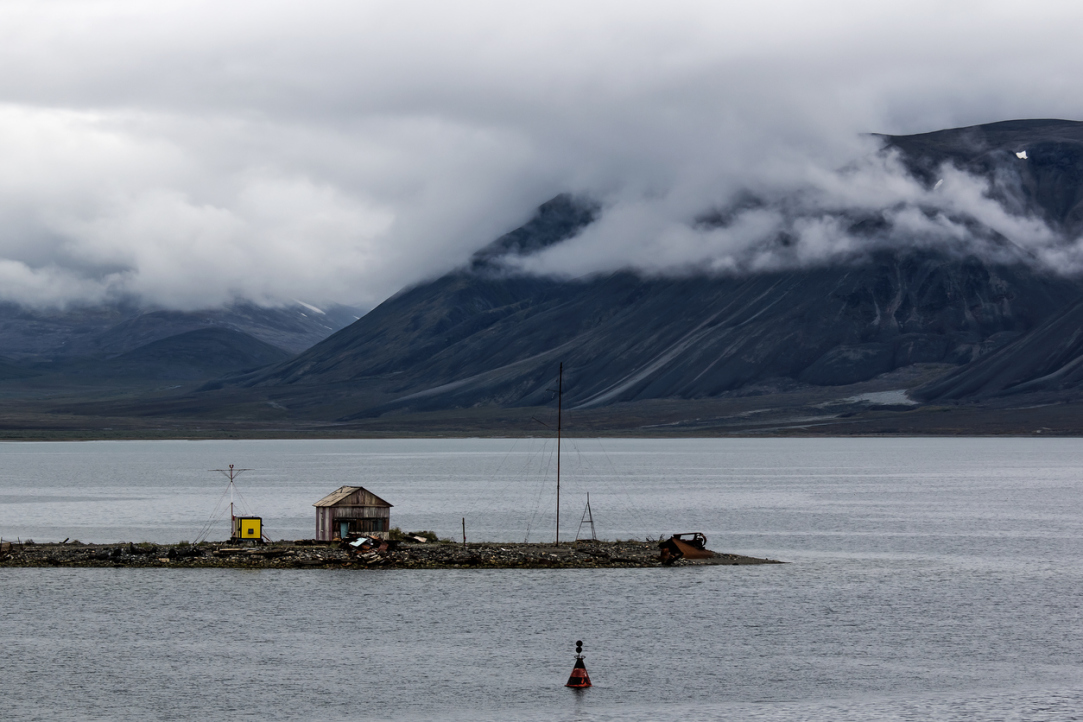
(351, 496)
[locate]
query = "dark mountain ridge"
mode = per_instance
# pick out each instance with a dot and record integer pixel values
(1047, 183)
(481, 336)
(189, 356)
(34, 335)
(463, 341)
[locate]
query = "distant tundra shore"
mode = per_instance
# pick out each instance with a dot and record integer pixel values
(304, 554)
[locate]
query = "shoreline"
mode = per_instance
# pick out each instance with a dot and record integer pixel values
(306, 554)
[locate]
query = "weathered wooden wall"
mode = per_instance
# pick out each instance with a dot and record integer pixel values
(328, 516)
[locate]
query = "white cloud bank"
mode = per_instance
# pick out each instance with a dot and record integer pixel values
(820, 218)
(193, 153)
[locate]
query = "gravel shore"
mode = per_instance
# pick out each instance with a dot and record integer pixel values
(308, 555)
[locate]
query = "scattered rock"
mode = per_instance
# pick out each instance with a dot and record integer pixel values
(287, 555)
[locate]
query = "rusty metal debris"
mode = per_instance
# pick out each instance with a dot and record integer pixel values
(364, 546)
(687, 545)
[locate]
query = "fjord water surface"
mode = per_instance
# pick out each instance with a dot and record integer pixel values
(929, 579)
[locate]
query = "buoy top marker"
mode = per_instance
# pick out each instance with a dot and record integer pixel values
(579, 678)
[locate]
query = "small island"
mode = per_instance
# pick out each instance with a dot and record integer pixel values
(309, 554)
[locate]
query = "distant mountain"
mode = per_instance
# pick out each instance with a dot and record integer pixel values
(819, 347)
(482, 336)
(108, 330)
(464, 340)
(190, 356)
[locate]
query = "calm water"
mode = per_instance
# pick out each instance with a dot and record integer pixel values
(931, 579)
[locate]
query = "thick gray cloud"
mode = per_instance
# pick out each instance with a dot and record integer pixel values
(192, 153)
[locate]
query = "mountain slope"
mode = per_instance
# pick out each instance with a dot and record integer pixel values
(191, 356)
(107, 330)
(474, 337)
(1050, 358)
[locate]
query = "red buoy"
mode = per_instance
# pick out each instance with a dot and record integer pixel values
(579, 679)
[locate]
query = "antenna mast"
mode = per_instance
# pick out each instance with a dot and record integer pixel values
(588, 517)
(560, 405)
(231, 474)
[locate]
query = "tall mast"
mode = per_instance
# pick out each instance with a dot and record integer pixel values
(231, 474)
(560, 406)
(590, 515)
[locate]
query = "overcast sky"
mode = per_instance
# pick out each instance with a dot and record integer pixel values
(197, 152)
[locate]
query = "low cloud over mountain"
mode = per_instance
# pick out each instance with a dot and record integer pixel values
(190, 154)
(951, 287)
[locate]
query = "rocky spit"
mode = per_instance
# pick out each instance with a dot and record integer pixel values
(309, 555)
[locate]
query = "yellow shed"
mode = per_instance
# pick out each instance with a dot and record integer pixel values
(247, 527)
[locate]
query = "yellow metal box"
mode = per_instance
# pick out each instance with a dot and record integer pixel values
(247, 527)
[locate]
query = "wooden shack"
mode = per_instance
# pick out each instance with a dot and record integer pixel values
(351, 510)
